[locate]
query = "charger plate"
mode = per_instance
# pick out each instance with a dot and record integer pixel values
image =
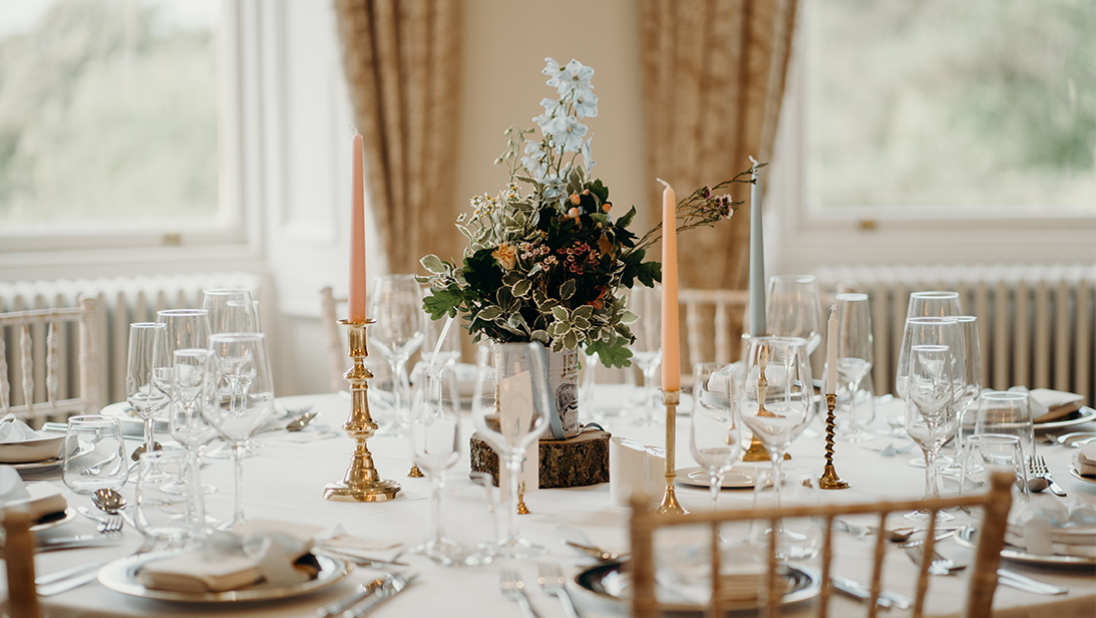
(611, 582)
(121, 576)
(52, 462)
(1077, 474)
(968, 537)
(735, 478)
(1082, 415)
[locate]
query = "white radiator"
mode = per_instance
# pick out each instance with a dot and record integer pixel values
(121, 301)
(1035, 322)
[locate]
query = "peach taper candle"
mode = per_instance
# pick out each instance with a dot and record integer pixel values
(356, 297)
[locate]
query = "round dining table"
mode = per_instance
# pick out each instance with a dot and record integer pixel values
(285, 481)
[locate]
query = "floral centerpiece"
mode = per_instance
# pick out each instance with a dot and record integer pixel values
(548, 259)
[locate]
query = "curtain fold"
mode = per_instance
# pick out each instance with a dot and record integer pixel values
(401, 59)
(715, 80)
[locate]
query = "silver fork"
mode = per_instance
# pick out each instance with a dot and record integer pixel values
(111, 525)
(553, 582)
(939, 565)
(514, 589)
(1038, 467)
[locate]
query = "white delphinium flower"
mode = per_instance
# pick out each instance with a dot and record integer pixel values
(585, 103)
(534, 159)
(553, 186)
(553, 71)
(567, 133)
(587, 159)
(550, 106)
(574, 77)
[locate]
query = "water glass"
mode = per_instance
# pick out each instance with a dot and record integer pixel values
(799, 538)
(511, 408)
(95, 454)
(714, 439)
(163, 515)
(1007, 413)
(984, 453)
(647, 348)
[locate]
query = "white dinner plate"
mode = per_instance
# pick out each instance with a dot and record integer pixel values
(968, 537)
(53, 520)
(1077, 474)
(52, 462)
(1082, 415)
(121, 576)
(735, 478)
(612, 582)
(31, 450)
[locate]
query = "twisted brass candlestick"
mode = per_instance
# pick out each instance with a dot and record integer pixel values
(669, 499)
(829, 478)
(362, 483)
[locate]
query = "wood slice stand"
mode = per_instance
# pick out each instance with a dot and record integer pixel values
(577, 462)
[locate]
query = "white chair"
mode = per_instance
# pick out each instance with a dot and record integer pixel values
(39, 403)
(718, 306)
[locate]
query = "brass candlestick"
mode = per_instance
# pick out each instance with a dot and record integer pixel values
(829, 478)
(669, 499)
(361, 482)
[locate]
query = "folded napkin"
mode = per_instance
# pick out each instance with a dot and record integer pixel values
(1086, 459)
(15, 430)
(1046, 405)
(39, 500)
(271, 552)
(1048, 525)
(635, 467)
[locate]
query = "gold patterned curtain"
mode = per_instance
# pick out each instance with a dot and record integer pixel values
(715, 79)
(401, 59)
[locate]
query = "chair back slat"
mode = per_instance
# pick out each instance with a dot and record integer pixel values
(5, 386)
(26, 363)
(53, 381)
(995, 504)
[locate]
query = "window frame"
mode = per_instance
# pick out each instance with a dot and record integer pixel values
(234, 232)
(807, 238)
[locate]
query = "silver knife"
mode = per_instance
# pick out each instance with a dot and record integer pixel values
(75, 542)
(1013, 579)
(395, 584)
(857, 590)
(68, 584)
(359, 593)
(67, 573)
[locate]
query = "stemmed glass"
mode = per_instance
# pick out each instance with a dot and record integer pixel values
(971, 377)
(714, 437)
(449, 351)
(792, 309)
(230, 311)
(927, 331)
(647, 349)
(145, 390)
(776, 400)
(854, 359)
(435, 447)
(183, 329)
(245, 397)
(400, 330)
(511, 408)
(192, 389)
(930, 414)
(940, 304)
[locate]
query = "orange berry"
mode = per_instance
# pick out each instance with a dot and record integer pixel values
(606, 207)
(575, 199)
(573, 213)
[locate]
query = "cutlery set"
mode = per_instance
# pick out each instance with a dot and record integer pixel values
(365, 597)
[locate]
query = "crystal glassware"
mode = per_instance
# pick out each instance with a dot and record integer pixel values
(971, 378)
(930, 414)
(1007, 413)
(183, 329)
(440, 350)
(192, 390)
(511, 408)
(95, 454)
(647, 348)
(230, 310)
(245, 396)
(927, 331)
(987, 452)
(163, 515)
(146, 375)
(792, 309)
(854, 361)
(396, 304)
(800, 538)
(714, 439)
(434, 425)
(777, 394)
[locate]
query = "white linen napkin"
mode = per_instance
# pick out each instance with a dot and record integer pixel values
(274, 552)
(1049, 525)
(14, 430)
(1086, 459)
(39, 500)
(635, 467)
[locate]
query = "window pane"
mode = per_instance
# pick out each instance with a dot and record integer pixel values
(108, 110)
(972, 103)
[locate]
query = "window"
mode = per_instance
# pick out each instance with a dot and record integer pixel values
(940, 107)
(109, 116)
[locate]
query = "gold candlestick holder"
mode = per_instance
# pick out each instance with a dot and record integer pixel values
(829, 478)
(669, 503)
(361, 483)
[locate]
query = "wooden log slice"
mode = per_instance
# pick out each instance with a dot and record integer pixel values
(577, 462)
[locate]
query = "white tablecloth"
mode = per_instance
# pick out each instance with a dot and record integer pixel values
(286, 481)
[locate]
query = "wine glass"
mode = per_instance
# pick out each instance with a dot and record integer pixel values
(396, 304)
(926, 331)
(95, 454)
(511, 407)
(971, 382)
(146, 376)
(192, 389)
(183, 329)
(647, 348)
(776, 399)
(435, 447)
(940, 304)
(230, 311)
(930, 413)
(245, 398)
(792, 309)
(854, 359)
(714, 438)
(447, 347)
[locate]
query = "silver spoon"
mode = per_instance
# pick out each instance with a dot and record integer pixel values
(301, 421)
